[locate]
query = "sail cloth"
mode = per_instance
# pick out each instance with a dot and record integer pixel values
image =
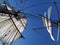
(8, 31)
(47, 22)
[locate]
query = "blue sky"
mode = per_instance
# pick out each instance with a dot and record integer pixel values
(35, 7)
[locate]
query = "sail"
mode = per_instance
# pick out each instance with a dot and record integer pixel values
(8, 31)
(8, 8)
(47, 23)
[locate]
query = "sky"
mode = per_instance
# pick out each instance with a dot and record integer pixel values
(36, 8)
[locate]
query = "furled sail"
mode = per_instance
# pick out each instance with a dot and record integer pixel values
(47, 23)
(10, 27)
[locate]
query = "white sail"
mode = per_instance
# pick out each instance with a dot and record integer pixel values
(8, 31)
(47, 23)
(8, 8)
(58, 31)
